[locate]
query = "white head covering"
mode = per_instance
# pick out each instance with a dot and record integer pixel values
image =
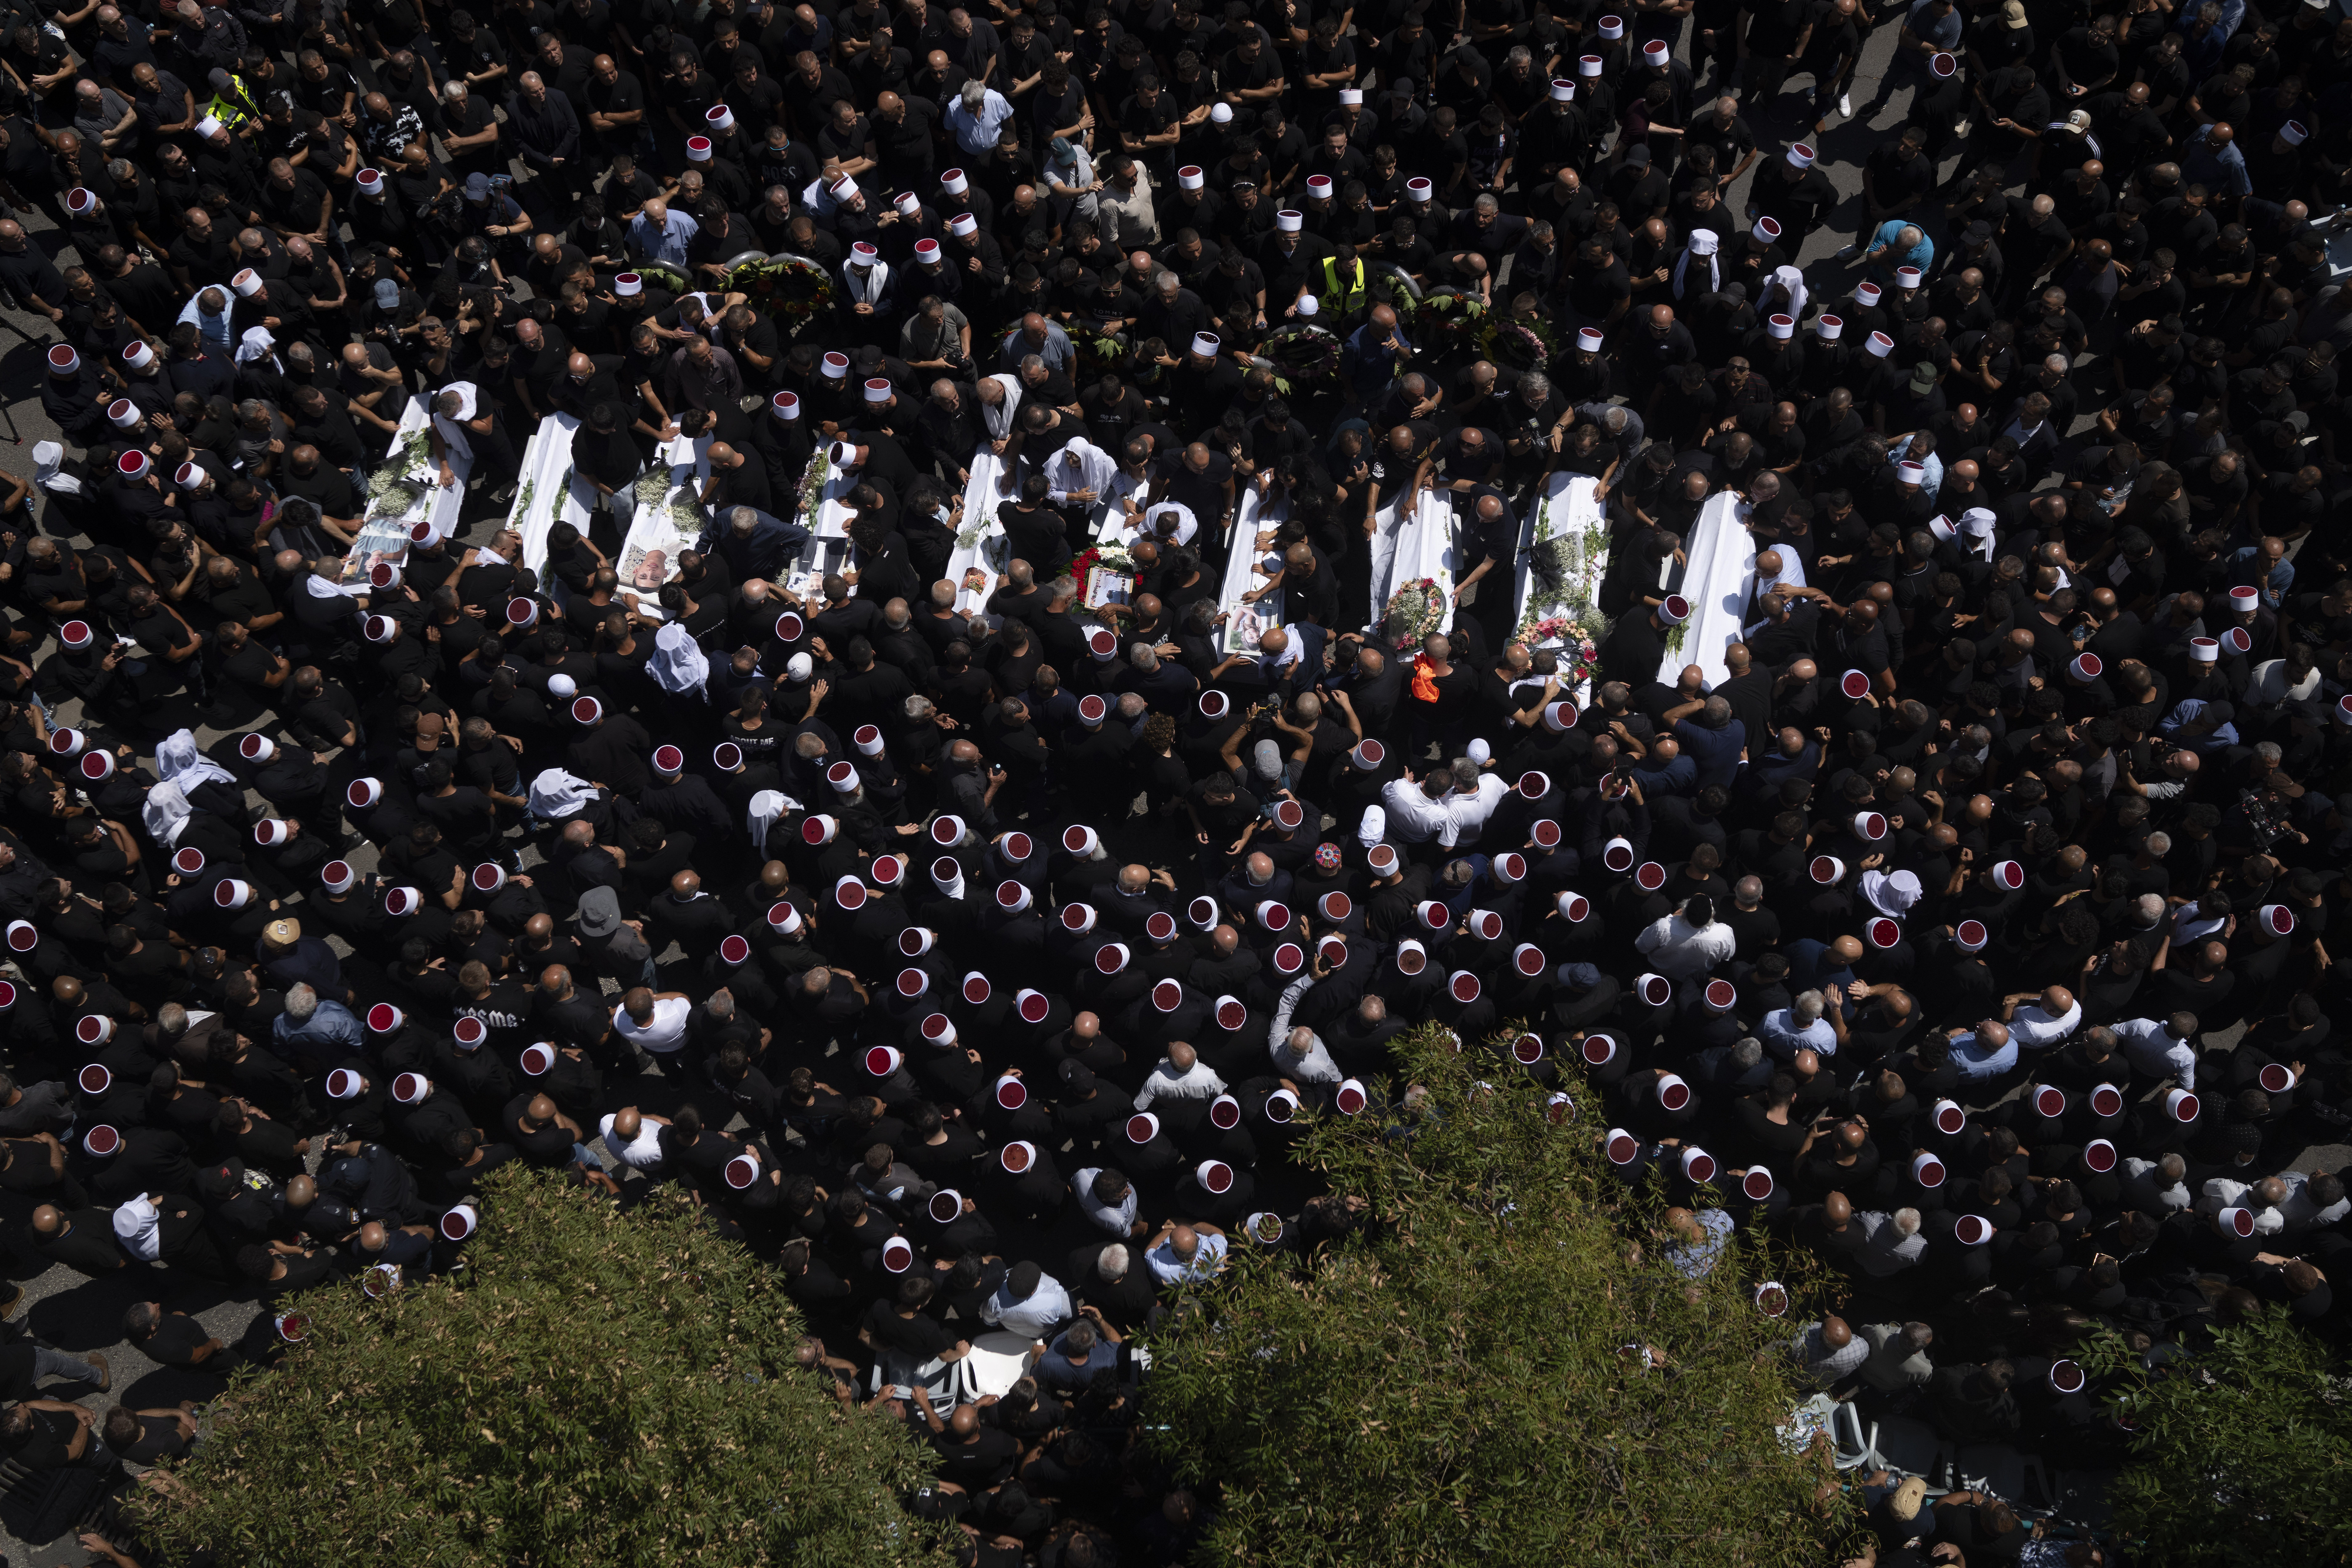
(139, 1227)
(48, 469)
(1703, 242)
(556, 794)
(678, 665)
(1791, 282)
(998, 419)
(768, 807)
(1374, 826)
(256, 344)
(1976, 526)
(165, 812)
(1891, 895)
(178, 760)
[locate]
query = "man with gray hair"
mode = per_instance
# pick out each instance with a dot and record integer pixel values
(975, 117)
(316, 1032)
(1800, 1025)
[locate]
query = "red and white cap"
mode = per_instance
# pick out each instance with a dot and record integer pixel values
(1016, 848)
(2204, 650)
(1972, 1230)
(937, 1029)
(945, 1206)
(402, 900)
(1509, 868)
(1675, 610)
(790, 627)
(1332, 950)
(2235, 1221)
(1698, 1166)
(1215, 1177)
(1142, 1127)
(1943, 64)
(2277, 919)
(1013, 897)
(1112, 957)
(897, 1255)
(976, 988)
(2086, 667)
(132, 465)
(1597, 1050)
(1335, 906)
(2180, 1105)
(2237, 640)
(1879, 344)
(953, 182)
(1190, 178)
(628, 285)
(1780, 326)
(1826, 870)
(1411, 957)
(101, 1142)
(1657, 54)
(63, 360)
(1950, 1118)
(2067, 1378)
(1882, 932)
(913, 982)
(863, 253)
(77, 635)
(1202, 913)
(882, 1060)
(1526, 958)
(587, 711)
(1649, 876)
(915, 941)
(1080, 840)
(1206, 344)
(248, 283)
(1869, 826)
(1224, 1112)
(410, 1088)
(1528, 1049)
(1274, 915)
(97, 767)
(344, 1083)
(1907, 278)
(2294, 133)
(1289, 221)
(1167, 996)
(949, 831)
(2106, 1100)
(668, 762)
(2009, 874)
(719, 117)
(1617, 856)
(1720, 996)
(270, 832)
(2100, 1156)
(1756, 1186)
(1911, 473)
(1563, 89)
(1381, 859)
(379, 629)
(458, 1223)
(2049, 1101)
(1768, 229)
(1613, 28)
(1828, 328)
(1589, 338)
(1655, 989)
(1017, 1156)
(784, 917)
(94, 1028)
(963, 226)
(819, 828)
(1673, 1093)
(94, 1079)
(1350, 1098)
(1011, 1093)
(231, 893)
(1281, 1105)
(849, 893)
(2244, 599)
(1971, 935)
(1288, 959)
(189, 862)
(1318, 187)
(2276, 1078)
(1574, 907)
(123, 413)
(842, 189)
(1621, 1146)
(1854, 685)
(337, 876)
(521, 611)
(1230, 1013)
(1463, 986)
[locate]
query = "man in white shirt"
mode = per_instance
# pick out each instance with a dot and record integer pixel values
(1031, 1302)
(634, 1137)
(2155, 1187)
(1689, 944)
(2160, 1048)
(1180, 1075)
(1476, 794)
(2312, 1200)
(653, 1020)
(2037, 1022)
(1107, 1198)
(1186, 1252)
(2263, 1196)
(1417, 812)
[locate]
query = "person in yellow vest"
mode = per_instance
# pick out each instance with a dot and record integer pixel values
(1343, 281)
(231, 104)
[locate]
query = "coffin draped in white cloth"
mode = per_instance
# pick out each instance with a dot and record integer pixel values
(1719, 580)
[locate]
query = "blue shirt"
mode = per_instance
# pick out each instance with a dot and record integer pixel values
(1370, 361)
(2223, 736)
(2224, 170)
(2246, 571)
(1893, 255)
(667, 245)
(1975, 1062)
(1715, 752)
(215, 329)
(1944, 33)
(1781, 1037)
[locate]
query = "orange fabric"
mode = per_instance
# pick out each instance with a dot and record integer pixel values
(1425, 684)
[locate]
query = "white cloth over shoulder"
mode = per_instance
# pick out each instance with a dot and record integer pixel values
(179, 761)
(767, 807)
(165, 811)
(998, 417)
(555, 794)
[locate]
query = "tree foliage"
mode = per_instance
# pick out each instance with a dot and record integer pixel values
(1454, 1382)
(593, 1388)
(2242, 1456)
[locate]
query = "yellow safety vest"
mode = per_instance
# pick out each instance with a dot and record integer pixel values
(1337, 297)
(230, 111)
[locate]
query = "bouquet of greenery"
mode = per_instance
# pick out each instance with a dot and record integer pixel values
(1301, 355)
(1437, 322)
(1521, 342)
(812, 482)
(793, 290)
(1099, 353)
(652, 487)
(1414, 611)
(664, 275)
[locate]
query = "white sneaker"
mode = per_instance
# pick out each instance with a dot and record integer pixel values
(1845, 105)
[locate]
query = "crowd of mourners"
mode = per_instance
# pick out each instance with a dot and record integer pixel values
(970, 953)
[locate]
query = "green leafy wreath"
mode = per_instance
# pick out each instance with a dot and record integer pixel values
(793, 290)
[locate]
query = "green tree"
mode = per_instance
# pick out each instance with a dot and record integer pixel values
(593, 1388)
(2240, 1457)
(1463, 1378)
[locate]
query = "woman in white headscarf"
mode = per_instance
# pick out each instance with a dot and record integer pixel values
(679, 666)
(1702, 244)
(1891, 895)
